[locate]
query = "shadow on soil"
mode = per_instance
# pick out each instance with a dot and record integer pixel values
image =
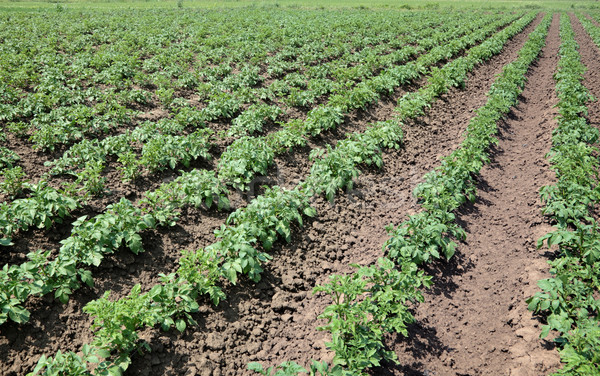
(422, 341)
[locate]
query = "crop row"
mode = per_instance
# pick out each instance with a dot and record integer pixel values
(252, 119)
(64, 102)
(228, 97)
(265, 219)
(228, 39)
(568, 300)
(590, 28)
(250, 271)
(236, 251)
(373, 300)
(238, 163)
(122, 222)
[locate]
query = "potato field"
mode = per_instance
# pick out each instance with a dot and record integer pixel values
(289, 191)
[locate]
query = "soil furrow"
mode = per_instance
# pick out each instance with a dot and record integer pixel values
(474, 320)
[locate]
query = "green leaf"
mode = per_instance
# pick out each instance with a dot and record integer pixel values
(208, 201)
(149, 221)
(310, 211)
(62, 294)
(166, 324)
(180, 325)
(6, 242)
(533, 302)
(103, 353)
(544, 305)
(545, 285)
(231, 275)
(255, 366)
(115, 371)
(268, 244)
(86, 277)
(18, 315)
(41, 364)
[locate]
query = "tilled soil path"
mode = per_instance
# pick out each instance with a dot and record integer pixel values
(475, 320)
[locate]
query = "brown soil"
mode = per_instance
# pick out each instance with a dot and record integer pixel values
(474, 320)
(276, 319)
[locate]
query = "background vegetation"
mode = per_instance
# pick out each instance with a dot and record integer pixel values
(394, 4)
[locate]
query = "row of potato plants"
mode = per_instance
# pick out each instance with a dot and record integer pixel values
(255, 155)
(568, 300)
(219, 78)
(48, 204)
(247, 123)
(256, 115)
(592, 30)
(67, 103)
(166, 146)
(86, 161)
(346, 77)
(375, 299)
(157, 157)
(237, 245)
(91, 240)
(241, 248)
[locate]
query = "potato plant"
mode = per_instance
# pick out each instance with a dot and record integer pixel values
(567, 299)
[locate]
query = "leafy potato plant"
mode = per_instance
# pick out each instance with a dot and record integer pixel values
(568, 299)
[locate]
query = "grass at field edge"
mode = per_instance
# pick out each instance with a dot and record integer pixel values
(302, 4)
